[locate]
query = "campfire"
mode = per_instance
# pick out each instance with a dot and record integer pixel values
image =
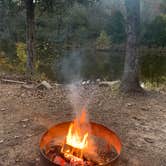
(79, 143)
(76, 140)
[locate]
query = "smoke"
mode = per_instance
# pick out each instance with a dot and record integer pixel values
(69, 66)
(150, 9)
(69, 69)
(75, 98)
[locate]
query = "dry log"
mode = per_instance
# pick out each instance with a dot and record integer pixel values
(12, 81)
(44, 85)
(108, 83)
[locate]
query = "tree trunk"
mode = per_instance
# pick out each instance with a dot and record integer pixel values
(2, 20)
(30, 31)
(130, 79)
(1, 16)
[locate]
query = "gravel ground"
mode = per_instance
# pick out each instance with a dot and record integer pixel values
(139, 121)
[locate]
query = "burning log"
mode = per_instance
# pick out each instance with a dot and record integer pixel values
(59, 160)
(56, 156)
(70, 151)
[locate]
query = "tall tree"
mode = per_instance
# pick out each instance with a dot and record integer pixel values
(116, 26)
(30, 25)
(130, 79)
(4, 32)
(1, 20)
(30, 33)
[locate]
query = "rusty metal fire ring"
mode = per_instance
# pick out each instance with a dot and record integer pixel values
(96, 129)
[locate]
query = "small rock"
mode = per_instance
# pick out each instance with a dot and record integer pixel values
(23, 95)
(149, 140)
(88, 82)
(37, 159)
(44, 85)
(24, 126)
(142, 85)
(29, 135)
(129, 104)
(17, 160)
(98, 80)
(145, 108)
(136, 118)
(1, 141)
(25, 120)
(83, 83)
(3, 109)
(16, 136)
(9, 93)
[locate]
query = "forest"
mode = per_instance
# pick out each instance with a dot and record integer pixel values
(82, 82)
(89, 28)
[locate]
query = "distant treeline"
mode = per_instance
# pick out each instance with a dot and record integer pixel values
(67, 24)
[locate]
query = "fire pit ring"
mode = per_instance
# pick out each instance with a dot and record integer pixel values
(60, 130)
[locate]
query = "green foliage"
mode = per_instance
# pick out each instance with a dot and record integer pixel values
(153, 68)
(22, 57)
(155, 32)
(84, 23)
(116, 27)
(21, 52)
(103, 41)
(8, 47)
(5, 64)
(78, 22)
(163, 6)
(64, 24)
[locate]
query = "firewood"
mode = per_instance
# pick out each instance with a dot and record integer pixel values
(44, 85)
(108, 83)
(12, 81)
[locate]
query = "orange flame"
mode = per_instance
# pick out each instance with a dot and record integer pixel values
(77, 135)
(75, 139)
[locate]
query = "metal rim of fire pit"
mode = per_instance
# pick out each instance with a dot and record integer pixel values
(98, 130)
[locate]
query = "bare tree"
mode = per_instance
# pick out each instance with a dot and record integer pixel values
(30, 32)
(130, 79)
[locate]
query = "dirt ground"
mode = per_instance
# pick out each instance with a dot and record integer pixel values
(139, 121)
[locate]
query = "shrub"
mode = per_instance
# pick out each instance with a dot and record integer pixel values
(22, 57)
(103, 41)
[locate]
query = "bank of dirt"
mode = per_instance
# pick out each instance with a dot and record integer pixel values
(139, 121)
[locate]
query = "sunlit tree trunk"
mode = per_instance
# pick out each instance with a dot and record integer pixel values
(30, 31)
(130, 79)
